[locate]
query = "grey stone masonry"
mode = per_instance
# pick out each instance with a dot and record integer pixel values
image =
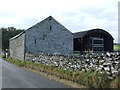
(49, 36)
(109, 62)
(17, 46)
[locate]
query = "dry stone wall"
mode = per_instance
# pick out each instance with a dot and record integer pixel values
(109, 62)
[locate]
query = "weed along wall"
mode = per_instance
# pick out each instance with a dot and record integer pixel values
(109, 62)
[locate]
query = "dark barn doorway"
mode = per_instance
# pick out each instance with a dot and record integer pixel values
(95, 40)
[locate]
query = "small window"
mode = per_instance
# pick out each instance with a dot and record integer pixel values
(35, 41)
(50, 27)
(49, 18)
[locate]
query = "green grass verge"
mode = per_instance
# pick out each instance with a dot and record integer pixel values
(76, 53)
(88, 79)
(116, 47)
(2, 56)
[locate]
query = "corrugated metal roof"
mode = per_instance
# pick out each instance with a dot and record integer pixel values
(79, 34)
(84, 33)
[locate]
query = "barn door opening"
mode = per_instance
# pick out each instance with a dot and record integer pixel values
(97, 44)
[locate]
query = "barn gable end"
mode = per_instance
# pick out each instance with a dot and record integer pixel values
(49, 36)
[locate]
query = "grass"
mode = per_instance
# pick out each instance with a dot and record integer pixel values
(76, 53)
(88, 79)
(1, 55)
(116, 47)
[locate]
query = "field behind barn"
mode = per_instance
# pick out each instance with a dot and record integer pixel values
(117, 47)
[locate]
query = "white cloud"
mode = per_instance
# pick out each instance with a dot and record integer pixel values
(76, 15)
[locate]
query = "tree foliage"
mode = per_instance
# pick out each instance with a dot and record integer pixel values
(8, 33)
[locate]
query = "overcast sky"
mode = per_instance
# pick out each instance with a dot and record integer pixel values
(75, 15)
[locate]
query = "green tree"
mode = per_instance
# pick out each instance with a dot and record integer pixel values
(8, 33)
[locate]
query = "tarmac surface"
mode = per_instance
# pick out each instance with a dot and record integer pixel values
(16, 77)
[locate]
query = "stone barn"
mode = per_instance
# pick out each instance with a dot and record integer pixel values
(95, 40)
(47, 36)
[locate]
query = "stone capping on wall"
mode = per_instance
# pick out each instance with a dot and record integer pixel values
(109, 62)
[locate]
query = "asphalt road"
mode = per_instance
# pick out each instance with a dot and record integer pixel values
(16, 77)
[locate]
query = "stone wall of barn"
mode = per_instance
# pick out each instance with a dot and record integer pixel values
(49, 36)
(16, 47)
(109, 62)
